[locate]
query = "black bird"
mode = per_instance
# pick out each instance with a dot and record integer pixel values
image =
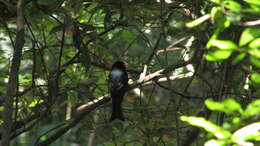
(117, 84)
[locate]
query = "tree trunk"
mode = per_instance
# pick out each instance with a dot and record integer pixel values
(13, 77)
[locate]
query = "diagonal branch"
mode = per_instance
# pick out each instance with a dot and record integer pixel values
(81, 113)
(84, 109)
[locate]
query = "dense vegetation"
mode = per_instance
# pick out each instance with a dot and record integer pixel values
(193, 67)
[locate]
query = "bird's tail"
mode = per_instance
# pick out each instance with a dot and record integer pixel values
(117, 112)
(119, 117)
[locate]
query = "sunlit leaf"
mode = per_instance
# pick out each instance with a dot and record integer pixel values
(91, 6)
(35, 102)
(254, 2)
(214, 12)
(224, 44)
(218, 55)
(236, 120)
(232, 5)
(213, 37)
(255, 48)
(238, 58)
(226, 23)
(217, 1)
(25, 78)
(228, 106)
(255, 52)
(248, 35)
(43, 138)
(214, 142)
(218, 17)
(252, 109)
(255, 43)
(255, 77)
(208, 126)
(249, 132)
(197, 21)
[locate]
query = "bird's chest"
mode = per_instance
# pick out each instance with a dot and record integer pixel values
(116, 80)
(116, 76)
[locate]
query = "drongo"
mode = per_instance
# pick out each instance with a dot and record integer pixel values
(117, 84)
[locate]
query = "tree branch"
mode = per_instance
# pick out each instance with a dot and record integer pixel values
(84, 109)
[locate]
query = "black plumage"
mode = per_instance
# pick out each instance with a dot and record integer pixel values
(117, 84)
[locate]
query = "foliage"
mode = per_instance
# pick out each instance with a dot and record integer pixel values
(178, 54)
(234, 130)
(240, 136)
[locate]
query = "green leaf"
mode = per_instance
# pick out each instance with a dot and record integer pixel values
(214, 12)
(219, 18)
(128, 36)
(236, 120)
(208, 126)
(255, 48)
(214, 142)
(35, 103)
(248, 35)
(213, 37)
(253, 2)
(254, 52)
(255, 77)
(252, 109)
(255, 43)
(227, 23)
(232, 5)
(197, 21)
(228, 106)
(249, 132)
(91, 6)
(255, 61)
(224, 44)
(217, 1)
(218, 55)
(238, 58)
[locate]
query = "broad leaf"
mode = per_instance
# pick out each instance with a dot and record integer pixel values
(252, 109)
(255, 61)
(224, 44)
(255, 77)
(214, 142)
(253, 2)
(255, 43)
(238, 58)
(228, 106)
(249, 132)
(208, 126)
(232, 5)
(218, 55)
(248, 35)
(217, 1)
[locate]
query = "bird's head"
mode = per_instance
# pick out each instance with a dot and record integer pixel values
(119, 64)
